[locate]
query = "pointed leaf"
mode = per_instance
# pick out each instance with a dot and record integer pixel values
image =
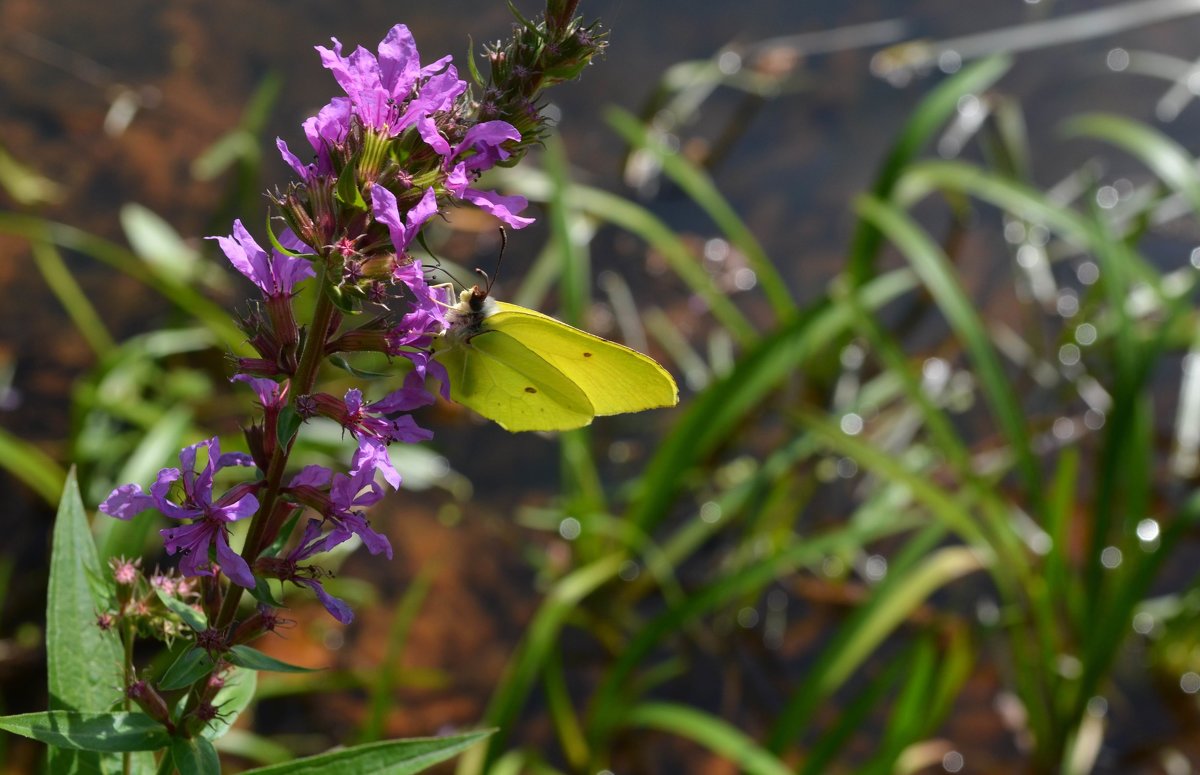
(234, 697)
(83, 662)
(89, 731)
(195, 756)
(191, 665)
(287, 425)
(395, 757)
(190, 616)
(253, 659)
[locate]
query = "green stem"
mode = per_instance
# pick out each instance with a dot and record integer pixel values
(302, 383)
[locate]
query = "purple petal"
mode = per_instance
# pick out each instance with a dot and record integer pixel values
(503, 207)
(193, 540)
(234, 459)
(404, 399)
(335, 606)
(232, 564)
(126, 501)
(305, 171)
(405, 429)
(374, 455)
(240, 509)
(311, 476)
(399, 64)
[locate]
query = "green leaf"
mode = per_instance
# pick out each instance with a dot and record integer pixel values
(934, 111)
(346, 366)
(347, 191)
(188, 668)
(262, 593)
(252, 659)
(89, 731)
(1169, 160)
(83, 662)
(394, 757)
(713, 733)
(234, 697)
(157, 243)
(286, 426)
(194, 756)
(37, 470)
(190, 616)
(931, 264)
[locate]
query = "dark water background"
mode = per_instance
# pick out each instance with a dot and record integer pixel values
(801, 159)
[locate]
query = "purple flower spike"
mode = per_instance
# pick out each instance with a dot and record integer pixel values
(275, 275)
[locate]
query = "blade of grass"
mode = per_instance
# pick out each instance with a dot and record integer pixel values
(723, 407)
(540, 637)
(933, 112)
(379, 698)
(72, 298)
(35, 468)
(1169, 161)
(934, 269)
(710, 732)
(700, 187)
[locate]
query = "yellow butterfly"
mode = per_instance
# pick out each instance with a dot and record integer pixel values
(530, 372)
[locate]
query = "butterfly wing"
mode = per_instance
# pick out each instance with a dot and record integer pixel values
(507, 382)
(615, 378)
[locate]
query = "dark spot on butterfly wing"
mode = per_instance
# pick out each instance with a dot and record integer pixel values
(530, 389)
(587, 355)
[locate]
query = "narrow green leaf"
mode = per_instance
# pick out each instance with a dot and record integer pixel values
(195, 756)
(713, 733)
(110, 732)
(933, 112)
(72, 297)
(235, 696)
(1169, 160)
(347, 191)
(288, 423)
(540, 637)
(704, 192)
(35, 468)
(190, 616)
(723, 408)
(263, 593)
(157, 243)
(188, 668)
(931, 264)
(83, 661)
(394, 757)
(252, 659)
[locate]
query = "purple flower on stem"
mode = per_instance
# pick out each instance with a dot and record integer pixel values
(481, 149)
(347, 494)
(275, 275)
(209, 519)
(403, 232)
(379, 88)
(289, 569)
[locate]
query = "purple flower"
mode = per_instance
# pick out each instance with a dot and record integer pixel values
(385, 210)
(289, 569)
(347, 494)
(481, 148)
(210, 519)
(383, 91)
(275, 275)
(271, 394)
